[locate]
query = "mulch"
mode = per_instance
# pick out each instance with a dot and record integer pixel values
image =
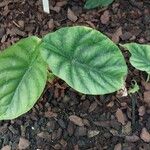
(64, 119)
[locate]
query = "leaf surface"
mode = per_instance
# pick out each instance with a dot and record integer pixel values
(23, 76)
(97, 3)
(140, 56)
(86, 59)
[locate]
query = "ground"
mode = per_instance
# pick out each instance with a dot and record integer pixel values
(64, 119)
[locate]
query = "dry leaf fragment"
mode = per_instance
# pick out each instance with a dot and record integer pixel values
(92, 106)
(120, 116)
(7, 147)
(141, 110)
(76, 120)
(71, 16)
(145, 135)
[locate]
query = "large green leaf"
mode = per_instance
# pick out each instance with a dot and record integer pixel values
(96, 3)
(86, 59)
(140, 56)
(22, 78)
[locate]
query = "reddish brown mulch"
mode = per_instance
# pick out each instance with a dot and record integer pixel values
(64, 119)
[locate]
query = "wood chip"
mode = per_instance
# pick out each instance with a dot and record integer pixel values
(21, 23)
(116, 36)
(133, 138)
(92, 133)
(146, 85)
(7, 147)
(23, 143)
(76, 147)
(145, 135)
(16, 31)
(86, 122)
(4, 3)
(44, 135)
(91, 24)
(56, 9)
(51, 24)
(50, 113)
(71, 16)
(70, 128)
(2, 32)
(118, 146)
(80, 131)
(63, 143)
(61, 3)
(126, 129)
(120, 116)
(111, 104)
(105, 17)
(76, 120)
(126, 36)
(57, 147)
(147, 97)
(122, 92)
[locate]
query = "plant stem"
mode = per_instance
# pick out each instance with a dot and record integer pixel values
(133, 102)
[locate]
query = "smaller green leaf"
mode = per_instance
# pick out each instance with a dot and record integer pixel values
(97, 3)
(140, 56)
(134, 87)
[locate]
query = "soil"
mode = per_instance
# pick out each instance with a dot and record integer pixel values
(64, 119)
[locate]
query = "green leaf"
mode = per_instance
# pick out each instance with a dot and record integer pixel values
(86, 59)
(134, 87)
(23, 77)
(97, 3)
(140, 56)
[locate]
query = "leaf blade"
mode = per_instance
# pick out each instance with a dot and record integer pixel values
(81, 57)
(21, 70)
(140, 56)
(97, 3)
